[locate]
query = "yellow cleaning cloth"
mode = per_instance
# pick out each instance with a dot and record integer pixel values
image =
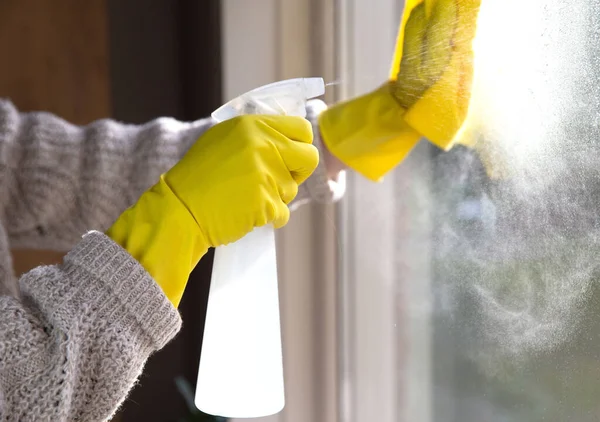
(436, 66)
(427, 95)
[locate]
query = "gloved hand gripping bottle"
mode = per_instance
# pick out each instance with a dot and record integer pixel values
(241, 367)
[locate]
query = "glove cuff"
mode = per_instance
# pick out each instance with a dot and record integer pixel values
(369, 133)
(162, 235)
(319, 187)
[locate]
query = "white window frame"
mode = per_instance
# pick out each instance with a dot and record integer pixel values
(265, 41)
(384, 285)
(344, 357)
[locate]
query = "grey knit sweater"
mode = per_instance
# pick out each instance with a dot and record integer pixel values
(75, 337)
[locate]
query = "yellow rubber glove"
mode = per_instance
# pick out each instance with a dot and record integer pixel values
(239, 175)
(368, 134)
(427, 95)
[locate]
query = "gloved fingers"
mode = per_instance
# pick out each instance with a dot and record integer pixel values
(292, 127)
(281, 214)
(282, 183)
(287, 189)
(300, 157)
(275, 211)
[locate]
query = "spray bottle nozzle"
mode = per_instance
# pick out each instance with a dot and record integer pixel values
(284, 97)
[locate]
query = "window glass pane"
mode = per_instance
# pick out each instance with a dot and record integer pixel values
(516, 299)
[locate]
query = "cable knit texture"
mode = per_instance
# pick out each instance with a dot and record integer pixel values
(75, 343)
(74, 337)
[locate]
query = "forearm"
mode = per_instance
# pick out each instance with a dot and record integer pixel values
(76, 342)
(61, 180)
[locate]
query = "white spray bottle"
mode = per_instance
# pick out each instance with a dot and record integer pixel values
(241, 368)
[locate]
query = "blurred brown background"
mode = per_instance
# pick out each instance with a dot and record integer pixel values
(85, 60)
(56, 57)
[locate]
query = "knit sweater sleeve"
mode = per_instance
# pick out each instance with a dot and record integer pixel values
(76, 341)
(58, 180)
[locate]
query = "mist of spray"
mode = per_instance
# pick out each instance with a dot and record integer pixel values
(526, 255)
